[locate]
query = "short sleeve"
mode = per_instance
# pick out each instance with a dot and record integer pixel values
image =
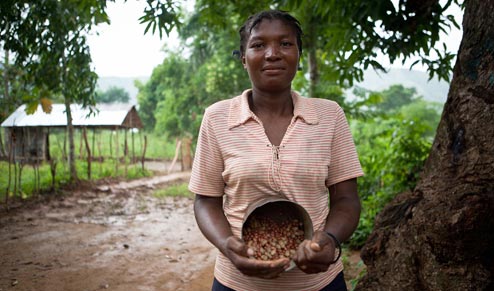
(206, 177)
(344, 161)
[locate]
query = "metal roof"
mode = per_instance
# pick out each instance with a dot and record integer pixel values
(104, 115)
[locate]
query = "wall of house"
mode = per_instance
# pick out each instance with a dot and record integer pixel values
(28, 144)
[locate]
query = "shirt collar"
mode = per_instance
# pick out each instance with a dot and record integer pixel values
(240, 111)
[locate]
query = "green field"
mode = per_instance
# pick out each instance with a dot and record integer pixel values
(25, 180)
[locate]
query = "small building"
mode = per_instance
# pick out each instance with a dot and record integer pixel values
(29, 133)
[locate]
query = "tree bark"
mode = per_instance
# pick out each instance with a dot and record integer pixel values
(440, 236)
(70, 131)
(6, 93)
(311, 40)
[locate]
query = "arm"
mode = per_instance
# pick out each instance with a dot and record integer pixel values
(316, 255)
(215, 227)
(345, 209)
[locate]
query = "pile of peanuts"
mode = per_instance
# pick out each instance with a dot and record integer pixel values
(271, 240)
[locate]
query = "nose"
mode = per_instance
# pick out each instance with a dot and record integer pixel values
(272, 52)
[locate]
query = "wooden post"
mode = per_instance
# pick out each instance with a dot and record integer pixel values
(126, 152)
(186, 154)
(53, 171)
(111, 144)
(11, 158)
(178, 145)
(116, 152)
(101, 159)
(81, 150)
(93, 141)
(144, 151)
(22, 163)
(133, 147)
(88, 150)
(64, 150)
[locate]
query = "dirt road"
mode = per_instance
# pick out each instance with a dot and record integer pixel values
(111, 237)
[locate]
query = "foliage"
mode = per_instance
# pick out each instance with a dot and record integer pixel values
(393, 129)
(342, 37)
(173, 100)
(112, 95)
(48, 41)
(392, 147)
(161, 15)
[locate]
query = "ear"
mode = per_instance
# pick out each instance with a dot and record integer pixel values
(243, 61)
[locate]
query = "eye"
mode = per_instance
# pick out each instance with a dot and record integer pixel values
(257, 45)
(286, 44)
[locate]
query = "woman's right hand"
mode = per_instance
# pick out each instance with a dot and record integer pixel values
(238, 253)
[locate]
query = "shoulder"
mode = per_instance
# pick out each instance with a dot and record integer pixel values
(324, 104)
(218, 114)
(324, 108)
(223, 106)
(219, 106)
(219, 110)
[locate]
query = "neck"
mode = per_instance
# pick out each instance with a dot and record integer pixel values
(277, 104)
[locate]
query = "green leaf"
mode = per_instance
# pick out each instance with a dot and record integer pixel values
(31, 107)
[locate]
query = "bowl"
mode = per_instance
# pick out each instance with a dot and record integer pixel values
(274, 227)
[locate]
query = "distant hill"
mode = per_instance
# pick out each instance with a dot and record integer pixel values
(122, 82)
(431, 90)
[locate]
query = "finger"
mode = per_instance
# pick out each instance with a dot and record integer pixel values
(263, 269)
(300, 257)
(279, 264)
(300, 253)
(314, 246)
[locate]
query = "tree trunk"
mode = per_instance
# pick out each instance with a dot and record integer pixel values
(70, 131)
(6, 94)
(440, 236)
(311, 41)
(313, 72)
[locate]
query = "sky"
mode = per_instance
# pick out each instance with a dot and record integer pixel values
(122, 50)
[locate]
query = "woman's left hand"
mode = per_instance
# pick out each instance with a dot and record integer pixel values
(316, 255)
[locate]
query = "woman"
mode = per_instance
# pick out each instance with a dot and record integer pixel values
(271, 141)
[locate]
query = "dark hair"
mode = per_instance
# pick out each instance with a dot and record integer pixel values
(255, 19)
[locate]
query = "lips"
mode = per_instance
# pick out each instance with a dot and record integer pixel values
(272, 68)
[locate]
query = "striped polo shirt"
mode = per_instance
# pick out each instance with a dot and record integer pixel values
(235, 159)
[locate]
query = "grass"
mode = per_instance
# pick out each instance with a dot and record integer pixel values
(354, 267)
(177, 190)
(28, 174)
(103, 143)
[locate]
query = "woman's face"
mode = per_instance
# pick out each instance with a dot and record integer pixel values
(271, 56)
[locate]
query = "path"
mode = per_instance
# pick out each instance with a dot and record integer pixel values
(115, 237)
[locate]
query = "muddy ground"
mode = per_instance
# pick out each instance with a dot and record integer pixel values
(110, 236)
